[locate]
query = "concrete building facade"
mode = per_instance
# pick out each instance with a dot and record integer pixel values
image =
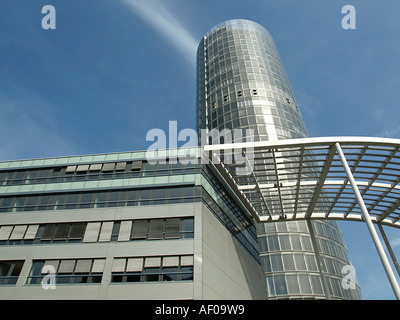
(115, 226)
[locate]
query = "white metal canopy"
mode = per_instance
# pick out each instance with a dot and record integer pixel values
(340, 178)
(306, 179)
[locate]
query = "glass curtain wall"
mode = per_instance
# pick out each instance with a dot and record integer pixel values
(242, 84)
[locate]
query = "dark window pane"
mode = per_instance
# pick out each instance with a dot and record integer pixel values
(101, 199)
(48, 232)
(175, 192)
(170, 274)
(37, 268)
(172, 228)
(5, 267)
(61, 231)
(145, 194)
(87, 197)
(77, 230)
(188, 224)
(113, 200)
(95, 279)
(116, 278)
(139, 229)
(156, 229)
(187, 273)
(160, 193)
(151, 274)
(133, 277)
(32, 200)
(115, 230)
(63, 279)
(189, 192)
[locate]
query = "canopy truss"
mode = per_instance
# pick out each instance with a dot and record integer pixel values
(306, 179)
(339, 178)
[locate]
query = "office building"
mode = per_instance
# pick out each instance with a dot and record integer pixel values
(128, 225)
(242, 84)
(147, 225)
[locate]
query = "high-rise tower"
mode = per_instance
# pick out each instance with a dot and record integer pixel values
(241, 84)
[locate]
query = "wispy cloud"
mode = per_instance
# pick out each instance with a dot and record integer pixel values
(161, 19)
(395, 243)
(34, 133)
(393, 132)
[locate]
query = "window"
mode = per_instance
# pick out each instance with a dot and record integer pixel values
(9, 272)
(69, 271)
(172, 228)
(139, 230)
(152, 269)
(77, 232)
(187, 228)
(61, 232)
(159, 229)
(19, 234)
(156, 229)
(102, 199)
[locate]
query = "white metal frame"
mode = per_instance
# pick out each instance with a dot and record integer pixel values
(338, 178)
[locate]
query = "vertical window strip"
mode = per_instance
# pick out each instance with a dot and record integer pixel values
(125, 231)
(92, 232)
(106, 230)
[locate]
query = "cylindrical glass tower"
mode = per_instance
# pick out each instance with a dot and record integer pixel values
(241, 84)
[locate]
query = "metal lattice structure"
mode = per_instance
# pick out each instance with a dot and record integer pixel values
(340, 178)
(305, 178)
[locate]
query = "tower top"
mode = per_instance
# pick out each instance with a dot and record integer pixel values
(237, 24)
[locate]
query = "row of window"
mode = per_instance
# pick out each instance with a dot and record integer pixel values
(286, 262)
(258, 125)
(292, 285)
(277, 262)
(115, 170)
(299, 242)
(77, 232)
(172, 268)
(99, 199)
(282, 114)
(90, 271)
(69, 271)
(249, 71)
(232, 79)
(9, 272)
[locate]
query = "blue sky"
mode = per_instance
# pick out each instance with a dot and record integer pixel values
(113, 70)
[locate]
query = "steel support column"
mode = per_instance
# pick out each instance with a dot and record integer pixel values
(389, 247)
(368, 221)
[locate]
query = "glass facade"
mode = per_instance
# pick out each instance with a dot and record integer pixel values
(242, 84)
